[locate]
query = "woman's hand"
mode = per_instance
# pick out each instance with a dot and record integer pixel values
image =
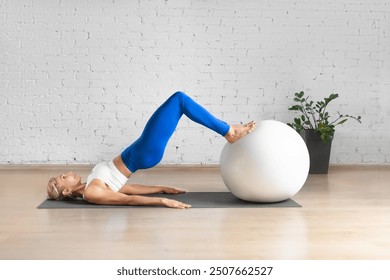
(171, 190)
(171, 203)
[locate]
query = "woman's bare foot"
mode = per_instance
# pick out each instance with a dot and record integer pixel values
(236, 132)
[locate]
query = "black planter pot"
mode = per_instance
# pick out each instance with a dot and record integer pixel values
(319, 151)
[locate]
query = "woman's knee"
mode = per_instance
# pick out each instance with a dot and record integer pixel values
(179, 95)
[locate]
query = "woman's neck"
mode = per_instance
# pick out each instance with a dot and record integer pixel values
(78, 191)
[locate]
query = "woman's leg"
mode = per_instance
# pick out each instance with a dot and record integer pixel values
(148, 150)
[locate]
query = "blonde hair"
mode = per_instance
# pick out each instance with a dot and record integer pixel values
(54, 191)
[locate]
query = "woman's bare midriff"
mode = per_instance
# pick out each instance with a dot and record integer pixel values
(121, 166)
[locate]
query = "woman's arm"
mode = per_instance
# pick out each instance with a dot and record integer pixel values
(142, 189)
(108, 197)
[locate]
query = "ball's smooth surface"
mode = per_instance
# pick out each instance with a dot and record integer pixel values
(268, 165)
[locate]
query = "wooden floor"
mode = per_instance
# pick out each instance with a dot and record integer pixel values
(345, 215)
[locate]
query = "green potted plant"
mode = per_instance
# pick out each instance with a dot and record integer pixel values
(317, 128)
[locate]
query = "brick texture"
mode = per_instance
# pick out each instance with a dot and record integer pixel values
(79, 79)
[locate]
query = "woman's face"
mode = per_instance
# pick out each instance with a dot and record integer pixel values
(68, 180)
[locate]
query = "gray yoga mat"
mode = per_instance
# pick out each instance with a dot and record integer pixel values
(196, 199)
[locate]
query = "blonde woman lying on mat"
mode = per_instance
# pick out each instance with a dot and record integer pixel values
(106, 184)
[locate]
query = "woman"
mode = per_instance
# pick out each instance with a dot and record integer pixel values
(106, 184)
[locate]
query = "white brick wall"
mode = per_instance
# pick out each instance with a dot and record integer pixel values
(79, 79)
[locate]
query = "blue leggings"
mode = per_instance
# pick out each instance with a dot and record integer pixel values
(148, 149)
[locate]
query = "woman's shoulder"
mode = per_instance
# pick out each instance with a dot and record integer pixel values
(94, 187)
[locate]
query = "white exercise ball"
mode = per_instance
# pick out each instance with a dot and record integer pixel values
(270, 164)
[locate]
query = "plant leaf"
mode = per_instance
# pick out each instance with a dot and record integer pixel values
(341, 122)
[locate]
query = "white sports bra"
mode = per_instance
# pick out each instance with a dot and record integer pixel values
(109, 174)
